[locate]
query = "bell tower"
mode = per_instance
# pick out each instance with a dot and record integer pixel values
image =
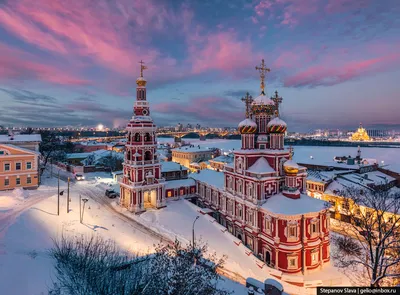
(141, 186)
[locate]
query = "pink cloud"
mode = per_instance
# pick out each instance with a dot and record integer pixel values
(337, 6)
(115, 38)
(15, 64)
(334, 73)
(221, 51)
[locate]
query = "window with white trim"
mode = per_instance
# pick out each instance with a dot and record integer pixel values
(7, 167)
(18, 181)
(18, 166)
(28, 165)
(268, 224)
(229, 206)
(250, 216)
(29, 180)
(292, 262)
(239, 211)
(239, 187)
(314, 227)
(314, 257)
(6, 182)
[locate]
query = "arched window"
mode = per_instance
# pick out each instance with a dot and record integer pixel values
(128, 155)
(147, 137)
(137, 137)
(147, 156)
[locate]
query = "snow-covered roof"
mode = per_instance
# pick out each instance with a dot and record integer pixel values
(4, 138)
(142, 118)
(247, 122)
(292, 164)
(78, 155)
(193, 149)
(281, 204)
(223, 159)
(262, 137)
(210, 177)
(179, 183)
(171, 166)
(276, 122)
(261, 166)
(20, 148)
(263, 100)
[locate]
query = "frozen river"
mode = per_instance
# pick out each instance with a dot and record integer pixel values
(389, 156)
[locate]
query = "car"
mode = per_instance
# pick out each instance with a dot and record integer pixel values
(109, 192)
(113, 195)
(79, 177)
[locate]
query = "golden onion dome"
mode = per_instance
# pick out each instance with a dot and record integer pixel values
(141, 81)
(247, 126)
(276, 125)
(291, 167)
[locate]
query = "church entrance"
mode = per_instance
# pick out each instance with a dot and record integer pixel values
(150, 198)
(267, 257)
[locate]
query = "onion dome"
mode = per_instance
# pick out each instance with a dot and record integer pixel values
(276, 125)
(262, 104)
(141, 81)
(247, 126)
(291, 167)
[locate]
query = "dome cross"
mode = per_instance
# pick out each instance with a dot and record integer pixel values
(142, 67)
(262, 69)
(277, 100)
(248, 99)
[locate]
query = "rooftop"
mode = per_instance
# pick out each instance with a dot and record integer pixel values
(211, 177)
(179, 183)
(171, 166)
(193, 149)
(281, 204)
(261, 166)
(4, 138)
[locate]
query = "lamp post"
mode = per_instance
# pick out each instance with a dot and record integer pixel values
(83, 210)
(197, 217)
(58, 195)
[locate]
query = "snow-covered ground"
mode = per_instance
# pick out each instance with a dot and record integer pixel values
(29, 222)
(390, 156)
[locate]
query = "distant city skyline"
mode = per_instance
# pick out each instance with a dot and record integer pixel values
(334, 62)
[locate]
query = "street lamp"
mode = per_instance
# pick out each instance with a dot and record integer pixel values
(84, 200)
(197, 217)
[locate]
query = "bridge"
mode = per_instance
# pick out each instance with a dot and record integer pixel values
(200, 133)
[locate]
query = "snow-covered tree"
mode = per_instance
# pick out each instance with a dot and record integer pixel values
(93, 266)
(372, 244)
(111, 161)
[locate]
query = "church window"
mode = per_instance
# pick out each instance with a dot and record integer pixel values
(169, 194)
(128, 155)
(147, 156)
(137, 137)
(314, 227)
(292, 262)
(147, 137)
(262, 146)
(249, 190)
(239, 211)
(314, 257)
(268, 225)
(229, 206)
(239, 187)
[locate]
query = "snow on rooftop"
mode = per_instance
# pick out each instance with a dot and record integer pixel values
(223, 159)
(142, 118)
(179, 183)
(210, 177)
(281, 204)
(4, 138)
(22, 149)
(261, 166)
(171, 166)
(193, 149)
(262, 99)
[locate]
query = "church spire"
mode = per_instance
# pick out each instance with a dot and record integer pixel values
(141, 82)
(248, 99)
(262, 69)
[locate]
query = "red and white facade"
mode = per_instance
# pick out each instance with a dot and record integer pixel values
(263, 199)
(142, 185)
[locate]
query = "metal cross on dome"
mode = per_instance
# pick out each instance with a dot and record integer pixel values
(248, 99)
(142, 67)
(277, 100)
(262, 69)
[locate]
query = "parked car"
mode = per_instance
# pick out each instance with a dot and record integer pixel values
(113, 195)
(109, 192)
(79, 177)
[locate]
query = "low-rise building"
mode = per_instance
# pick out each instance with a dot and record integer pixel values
(173, 171)
(219, 162)
(192, 154)
(19, 167)
(27, 141)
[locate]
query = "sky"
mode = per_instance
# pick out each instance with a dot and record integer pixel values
(334, 62)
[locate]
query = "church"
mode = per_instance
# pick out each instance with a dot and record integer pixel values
(260, 198)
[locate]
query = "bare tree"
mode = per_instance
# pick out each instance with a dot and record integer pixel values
(373, 229)
(93, 266)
